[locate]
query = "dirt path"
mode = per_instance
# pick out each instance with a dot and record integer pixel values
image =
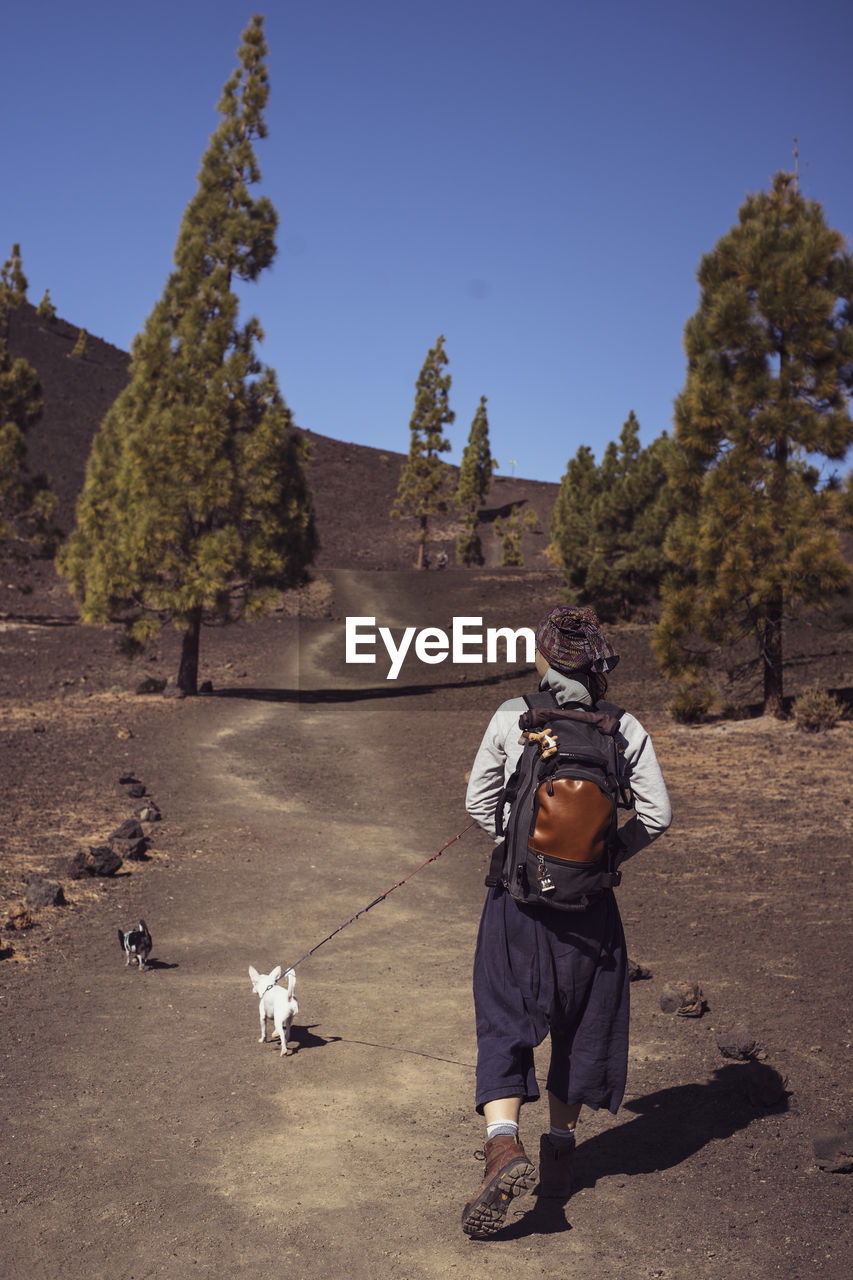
(148, 1134)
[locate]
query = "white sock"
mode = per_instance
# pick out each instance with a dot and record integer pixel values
(500, 1128)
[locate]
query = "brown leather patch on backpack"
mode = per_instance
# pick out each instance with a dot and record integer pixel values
(572, 820)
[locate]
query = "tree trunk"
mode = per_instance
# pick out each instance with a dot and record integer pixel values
(188, 672)
(422, 538)
(773, 660)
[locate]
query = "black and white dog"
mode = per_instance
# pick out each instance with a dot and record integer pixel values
(136, 944)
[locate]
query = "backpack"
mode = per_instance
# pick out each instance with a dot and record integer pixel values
(559, 846)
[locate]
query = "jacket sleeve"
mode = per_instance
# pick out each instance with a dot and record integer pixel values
(494, 762)
(652, 809)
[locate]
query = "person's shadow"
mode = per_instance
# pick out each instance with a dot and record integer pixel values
(671, 1125)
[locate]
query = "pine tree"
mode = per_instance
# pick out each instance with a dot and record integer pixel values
(572, 520)
(13, 282)
(26, 503)
(475, 478)
(423, 489)
(196, 506)
(45, 309)
(770, 364)
(509, 532)
(609, 524)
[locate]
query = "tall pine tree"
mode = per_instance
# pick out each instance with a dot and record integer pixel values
(423, 489)
(475, 478)
(770, 365)
(26, 502)
(196, 506)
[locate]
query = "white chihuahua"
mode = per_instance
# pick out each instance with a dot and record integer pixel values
(276, 1004)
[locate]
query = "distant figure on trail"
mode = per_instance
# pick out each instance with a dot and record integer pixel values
(539, 967)
(441, 562)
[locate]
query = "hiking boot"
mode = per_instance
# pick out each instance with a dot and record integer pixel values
(508, 1173)
(555, 1170)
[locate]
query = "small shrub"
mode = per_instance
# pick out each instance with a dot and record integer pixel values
(80, 345)
(691, 704)
(816, 710)
(45, 309)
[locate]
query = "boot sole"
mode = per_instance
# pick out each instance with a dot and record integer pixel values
(484, 1216)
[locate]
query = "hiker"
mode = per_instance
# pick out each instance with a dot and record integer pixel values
(538, 968)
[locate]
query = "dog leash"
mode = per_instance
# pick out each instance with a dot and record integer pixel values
(381, 897)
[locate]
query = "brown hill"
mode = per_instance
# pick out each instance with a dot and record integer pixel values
(354, 485)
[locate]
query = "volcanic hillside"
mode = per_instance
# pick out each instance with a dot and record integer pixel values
(354, 485)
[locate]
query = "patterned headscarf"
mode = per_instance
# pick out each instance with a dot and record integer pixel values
(572, 641)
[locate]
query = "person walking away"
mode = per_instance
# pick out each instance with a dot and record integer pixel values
(539, 969)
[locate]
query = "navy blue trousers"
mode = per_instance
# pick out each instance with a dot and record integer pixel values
(565, 972)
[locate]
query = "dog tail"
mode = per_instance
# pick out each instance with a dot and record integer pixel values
(291, 982)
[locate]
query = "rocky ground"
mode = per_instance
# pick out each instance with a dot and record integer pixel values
(148, 1134)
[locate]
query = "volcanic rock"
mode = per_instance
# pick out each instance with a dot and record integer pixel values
(683, 998)
(833, 1148)
(41, 892)
(99, 860)
(738, 1043)
(129, 830)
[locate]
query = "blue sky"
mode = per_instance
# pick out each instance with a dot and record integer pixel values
(537, 182)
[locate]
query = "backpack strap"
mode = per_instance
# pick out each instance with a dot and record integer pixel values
(510, 788)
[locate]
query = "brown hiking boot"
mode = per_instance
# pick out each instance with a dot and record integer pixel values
(555, 1170)
(508, 1173)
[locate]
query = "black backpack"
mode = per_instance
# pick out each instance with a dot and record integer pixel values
(559, 846)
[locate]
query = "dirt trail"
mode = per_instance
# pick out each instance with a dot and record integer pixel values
(148, 1134)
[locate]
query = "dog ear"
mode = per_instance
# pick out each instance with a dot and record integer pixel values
(253, 973)
(276, 973)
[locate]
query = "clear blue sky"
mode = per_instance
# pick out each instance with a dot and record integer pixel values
(537, 182)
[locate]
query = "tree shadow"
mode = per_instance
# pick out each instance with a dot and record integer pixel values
(488, 515)
(42, 619)
(671, 1126)
(373, 692)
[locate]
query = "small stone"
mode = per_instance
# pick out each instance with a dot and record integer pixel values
(833, 1148)
(129, 830)
(636, 972)
(148, 813)
(738, 1043)
(134, 850)
(206, 687)
(124, 734)
(126, 779)
(683, 998)
(99, 860)
(137, 791)
(41, 892)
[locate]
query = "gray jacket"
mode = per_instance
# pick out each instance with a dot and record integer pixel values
(500, 749)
